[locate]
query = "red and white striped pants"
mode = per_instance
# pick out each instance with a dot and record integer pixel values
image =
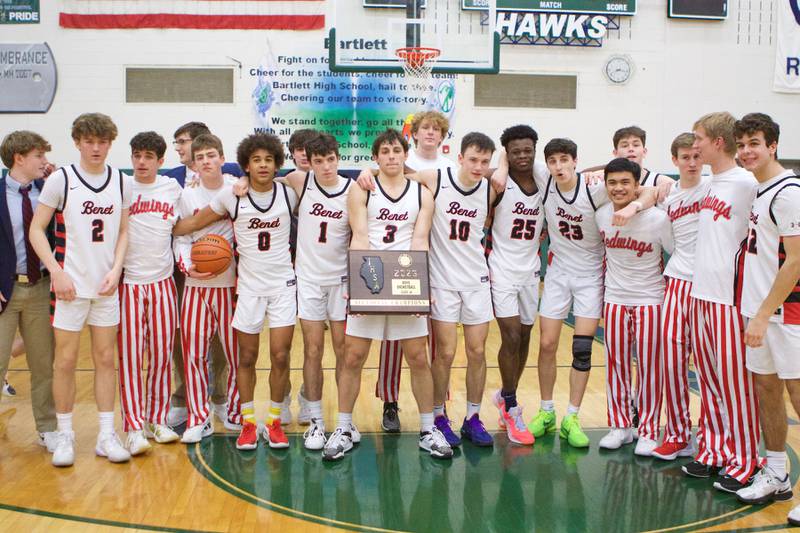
(204, 312)
(624, 326)
(387, 386)
(148, 318)
(677, 346)
(728, 428)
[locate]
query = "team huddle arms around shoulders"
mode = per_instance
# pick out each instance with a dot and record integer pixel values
(185, 268)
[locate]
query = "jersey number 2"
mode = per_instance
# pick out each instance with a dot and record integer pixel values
(97, 230)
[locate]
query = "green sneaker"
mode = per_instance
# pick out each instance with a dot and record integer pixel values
(543, 422)
(571, 430)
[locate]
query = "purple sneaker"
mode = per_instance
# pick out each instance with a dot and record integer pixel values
(442, 423)
(474, 431)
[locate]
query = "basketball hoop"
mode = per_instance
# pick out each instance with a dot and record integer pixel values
(418, 62)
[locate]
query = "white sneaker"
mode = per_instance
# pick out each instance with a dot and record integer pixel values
(645, 447)
(109, 446)
(231, 426)
(64, 449)
(219, 409)
(766, 487)
(136, 443)
(160, 433)
(48, 439)
(434, 442)
(339, 443)
(794, 516)
(198, 432)
(286, 411)
(304, 413)
(616, 438)
(177, 416)
(314, 437)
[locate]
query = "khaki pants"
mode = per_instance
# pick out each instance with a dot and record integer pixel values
(219, 365)
(29, 310)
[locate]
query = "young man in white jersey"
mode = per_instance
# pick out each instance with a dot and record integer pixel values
(634, 292)
(459, 276)
(408, 208)
(428, 131)
(514, 265)
(261, 224)
(771, 300)
(186, 175)
(90, 201)
(630, 143)
(321, 267)
(729, 435)
(208, 300)
(574, 279)
(682, 206)
(148, 298)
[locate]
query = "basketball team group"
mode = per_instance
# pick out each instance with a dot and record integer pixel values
(142, 260)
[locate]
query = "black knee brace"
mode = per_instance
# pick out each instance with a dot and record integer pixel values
(582, 353)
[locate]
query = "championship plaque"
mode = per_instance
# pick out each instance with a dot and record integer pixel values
(388, 282)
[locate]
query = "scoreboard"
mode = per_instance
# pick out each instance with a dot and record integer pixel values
(602, 7)
(698, 9)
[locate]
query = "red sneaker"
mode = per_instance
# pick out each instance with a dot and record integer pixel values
(670, 450)
(276, 436)
(248, 438)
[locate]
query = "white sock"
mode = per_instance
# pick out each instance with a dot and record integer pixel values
(473, 409)
(776, 461)
(572, 410)
(548, 405)
(345, 420)
(106, 421)
(287, 400)
(438, 410)
(63, 421)
(315, 409)
(425, 422)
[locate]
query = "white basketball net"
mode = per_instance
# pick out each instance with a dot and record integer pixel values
(418, 63)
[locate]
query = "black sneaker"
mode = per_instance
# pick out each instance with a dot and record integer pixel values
(699, 470)
(391, 421)
(730, 484)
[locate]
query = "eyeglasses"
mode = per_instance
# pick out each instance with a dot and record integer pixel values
(181, 142)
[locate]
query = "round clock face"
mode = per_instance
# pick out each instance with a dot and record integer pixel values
(618, 69)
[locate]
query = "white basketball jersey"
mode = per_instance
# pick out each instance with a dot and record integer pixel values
(683, 209)
(576, 247)
(151, 217)
(194, 198)
(323, 233)
(648, 179)
(775, 215)
(418, 164)
(516, 228)
(87, 226)
(633, 256)
(721, 230)
(261, 226)
(390, 221)
(457, 256)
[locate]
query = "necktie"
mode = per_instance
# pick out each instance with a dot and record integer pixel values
(34, 273)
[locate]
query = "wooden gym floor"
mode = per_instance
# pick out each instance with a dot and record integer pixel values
(385, 484)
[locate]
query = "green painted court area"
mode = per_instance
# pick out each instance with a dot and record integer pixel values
(387, 483)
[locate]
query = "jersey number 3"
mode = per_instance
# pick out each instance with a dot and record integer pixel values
(390, 231)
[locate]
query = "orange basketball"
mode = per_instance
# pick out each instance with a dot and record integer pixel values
(211, 253)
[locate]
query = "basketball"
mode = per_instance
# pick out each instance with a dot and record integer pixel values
(211, 253)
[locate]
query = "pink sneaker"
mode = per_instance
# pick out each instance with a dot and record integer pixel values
(515, 427)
